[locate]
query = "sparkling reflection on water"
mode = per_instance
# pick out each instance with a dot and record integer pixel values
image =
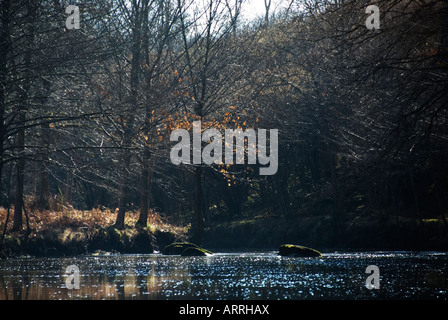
(256, 275)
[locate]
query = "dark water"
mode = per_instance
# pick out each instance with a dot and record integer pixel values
(260, 275)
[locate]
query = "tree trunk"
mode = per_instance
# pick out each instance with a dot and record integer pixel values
(20, 142)
(19, 205)
(43, 202)
(68, 187)
(119, 222)
(18, 201)
(129, 127)
(145, 189)
(267, 6)
(122, 193)
(199, 221)
(4, 51)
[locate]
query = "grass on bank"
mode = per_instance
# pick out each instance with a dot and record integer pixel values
(69, 232)
(70, 218)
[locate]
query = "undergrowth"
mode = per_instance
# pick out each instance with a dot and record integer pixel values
(69, 217)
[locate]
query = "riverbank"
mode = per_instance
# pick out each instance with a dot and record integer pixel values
(73, 232)
(357, 232)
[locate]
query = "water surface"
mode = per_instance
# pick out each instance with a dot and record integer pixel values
(246, 275)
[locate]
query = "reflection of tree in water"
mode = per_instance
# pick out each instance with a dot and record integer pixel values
(101, 278)
(18, 288)
(170, 278)
(28, 282)
(140, 278)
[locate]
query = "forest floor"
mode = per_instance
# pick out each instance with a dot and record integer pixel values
(69, 232)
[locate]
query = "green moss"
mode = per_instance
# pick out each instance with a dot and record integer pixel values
(195, 251)
(11, 247)
(240, 223)
(436, 220)
(178, 248)
(142, 242)
(297, 251)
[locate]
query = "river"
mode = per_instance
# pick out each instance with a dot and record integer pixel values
(242, 275)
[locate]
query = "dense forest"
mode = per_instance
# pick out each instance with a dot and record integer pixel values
(90, 93)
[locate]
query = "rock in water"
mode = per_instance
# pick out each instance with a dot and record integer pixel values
(176, 248)
(297, 251)
(185, 249)
(195, 252)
